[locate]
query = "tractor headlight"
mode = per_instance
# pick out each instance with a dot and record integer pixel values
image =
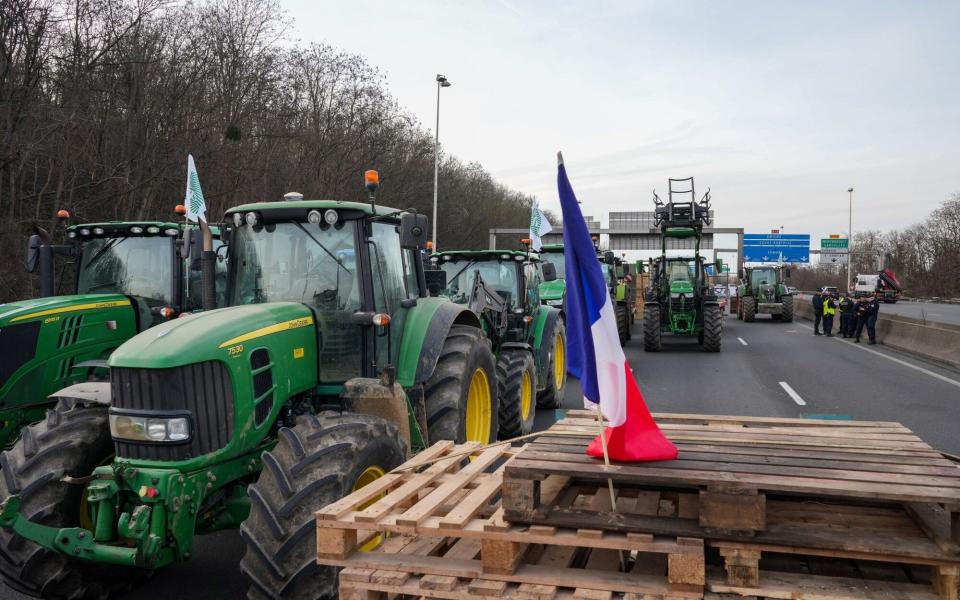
(554, 302)
(144, 428)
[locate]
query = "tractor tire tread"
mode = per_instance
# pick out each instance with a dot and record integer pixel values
(652, 338)
(72, 440)
(787, 314)
(280, 533)
(511, 365)
(712, 328)
(749, 309)
(550, 396)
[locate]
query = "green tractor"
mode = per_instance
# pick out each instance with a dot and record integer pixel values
(622, 292)
(130, 276)
(762, 291)
(529, 340)
(329, 366)
(680, 300)
(554, 293)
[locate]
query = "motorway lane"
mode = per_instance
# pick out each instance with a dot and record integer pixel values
(829, 374)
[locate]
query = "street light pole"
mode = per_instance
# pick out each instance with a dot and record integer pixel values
(441, 82)
(849, 238)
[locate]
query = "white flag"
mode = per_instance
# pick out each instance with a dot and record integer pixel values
(539, 226)
(196, 205)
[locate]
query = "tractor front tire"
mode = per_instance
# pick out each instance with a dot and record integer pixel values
(516, 389)
(651, 328)
(712, 328)
(554, 356)
(749, 308)
(461, 395)
(787, 309)
(73, 440)
(317, 461)
(623, 326)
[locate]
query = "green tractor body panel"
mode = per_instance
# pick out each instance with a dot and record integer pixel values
(554, 293)
(426, 325)
(41, 342)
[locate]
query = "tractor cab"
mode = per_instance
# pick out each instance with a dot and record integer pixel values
(763, 291)
(554, 293)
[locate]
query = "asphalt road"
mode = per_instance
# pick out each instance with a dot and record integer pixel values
(934, 312)
(831, 376)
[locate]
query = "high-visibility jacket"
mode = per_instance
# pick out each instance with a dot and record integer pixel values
(829, 307)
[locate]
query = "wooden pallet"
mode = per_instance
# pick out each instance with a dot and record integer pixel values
(730, 468)
(445, 521)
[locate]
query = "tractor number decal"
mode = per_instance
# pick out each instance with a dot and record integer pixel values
(256, 333)
(78, 307)
(235, 351)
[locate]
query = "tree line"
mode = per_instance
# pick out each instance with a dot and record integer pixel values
(925, 256)
(101, 100)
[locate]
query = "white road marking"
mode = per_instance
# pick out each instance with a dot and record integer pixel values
(790, 331)
(899, 362)
(790, 392)
(742, 341)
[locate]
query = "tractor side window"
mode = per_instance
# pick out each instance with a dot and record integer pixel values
(389, 288)
(410, 256)
(531, 273)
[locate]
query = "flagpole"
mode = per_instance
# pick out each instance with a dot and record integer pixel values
(606, 462)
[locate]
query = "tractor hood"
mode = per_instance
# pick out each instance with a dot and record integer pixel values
(553, 290)
(681, 287)
(56, 306)
(226, 334)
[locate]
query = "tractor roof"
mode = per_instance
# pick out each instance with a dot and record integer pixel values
(115, 225)
(551, 248)
(306, 205)
(488, 254)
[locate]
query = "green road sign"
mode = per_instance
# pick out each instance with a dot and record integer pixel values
(834, 243)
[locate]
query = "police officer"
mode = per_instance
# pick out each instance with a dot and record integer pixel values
(848, 310)
(869, 311)
(829, 310)
(817, 302)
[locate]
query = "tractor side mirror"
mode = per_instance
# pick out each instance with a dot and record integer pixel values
(608, 256)
(436, 281)
(786, 273)
(549, 272)
(413, 230)
(33, 252)
(741, 274)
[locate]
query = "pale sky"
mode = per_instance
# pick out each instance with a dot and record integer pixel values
(778, 107)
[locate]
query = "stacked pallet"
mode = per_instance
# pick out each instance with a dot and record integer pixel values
(755, 508)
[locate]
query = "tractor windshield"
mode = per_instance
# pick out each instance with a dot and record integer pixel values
(557, 260)
(760, 277)
(135, 266)
(295, 262)
(498, 275)
(679, 270)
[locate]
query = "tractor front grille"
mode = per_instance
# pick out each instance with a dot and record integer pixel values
(204, 389)
(682, 304)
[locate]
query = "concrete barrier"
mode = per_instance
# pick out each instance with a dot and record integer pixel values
(939, 342)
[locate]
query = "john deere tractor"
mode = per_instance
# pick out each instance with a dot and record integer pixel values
(529, 340)
(129, 276)
(680, 300)
(762, 291)
(622, 292)
(554, 293)
(330, 365)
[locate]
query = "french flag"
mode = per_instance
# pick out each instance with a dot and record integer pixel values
(594, 351)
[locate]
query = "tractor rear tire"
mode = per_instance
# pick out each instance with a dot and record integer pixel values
(623, 323)
(787, 309)
(465, 362)
(73, 440)
(317, 461)
(749, 308)
(712, 328)
(651, 328)
(517, 388)
(551, 396)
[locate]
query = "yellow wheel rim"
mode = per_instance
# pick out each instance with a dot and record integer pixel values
(478, 415)
(369, 475)
(559, 362)
(526, 395)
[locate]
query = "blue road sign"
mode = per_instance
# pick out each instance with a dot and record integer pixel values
(776, 247)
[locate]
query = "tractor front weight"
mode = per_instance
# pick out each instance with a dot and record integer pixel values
(160, 512)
